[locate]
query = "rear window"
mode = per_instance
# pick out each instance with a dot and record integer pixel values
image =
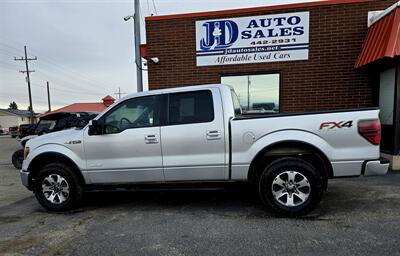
(191, 107)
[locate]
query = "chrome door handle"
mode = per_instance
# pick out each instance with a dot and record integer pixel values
(214, 135)
(151, 139)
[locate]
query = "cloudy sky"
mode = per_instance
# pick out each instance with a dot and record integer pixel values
(83, 47)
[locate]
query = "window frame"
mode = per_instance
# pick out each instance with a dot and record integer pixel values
(271, 72)
(156, 115)
(168, 100)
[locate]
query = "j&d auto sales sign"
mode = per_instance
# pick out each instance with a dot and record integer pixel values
(266, 38)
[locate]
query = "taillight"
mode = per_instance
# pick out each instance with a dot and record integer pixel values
(370, 130)
(20, 130)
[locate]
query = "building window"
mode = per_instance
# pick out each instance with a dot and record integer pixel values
(386, 96)
(256, 93)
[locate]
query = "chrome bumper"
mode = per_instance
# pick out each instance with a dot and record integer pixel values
(25, 179)
(376, 167)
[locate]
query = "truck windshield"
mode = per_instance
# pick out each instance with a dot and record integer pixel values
(236, 103)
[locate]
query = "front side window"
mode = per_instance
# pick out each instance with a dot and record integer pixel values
(132, 113)
(256, 93)
(191, 107)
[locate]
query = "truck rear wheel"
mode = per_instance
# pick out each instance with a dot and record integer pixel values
(291, 186)
(57, 188)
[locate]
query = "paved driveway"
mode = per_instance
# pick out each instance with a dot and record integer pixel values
(358, 216)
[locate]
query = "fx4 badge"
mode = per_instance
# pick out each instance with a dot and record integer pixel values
(332, 125)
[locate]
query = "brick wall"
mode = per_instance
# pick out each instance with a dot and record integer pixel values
(327, 80)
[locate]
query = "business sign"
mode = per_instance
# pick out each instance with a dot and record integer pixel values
(266, 38)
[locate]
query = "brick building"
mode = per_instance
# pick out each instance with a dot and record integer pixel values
(287, 58)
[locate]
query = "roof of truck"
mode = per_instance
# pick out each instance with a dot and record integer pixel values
(176, 89)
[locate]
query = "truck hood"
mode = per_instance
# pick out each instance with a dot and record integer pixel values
(64, 138)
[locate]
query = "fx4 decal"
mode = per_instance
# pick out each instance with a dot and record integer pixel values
(332, 125)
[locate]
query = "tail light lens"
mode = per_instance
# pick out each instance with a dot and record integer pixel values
(370, 130)
(20, 130)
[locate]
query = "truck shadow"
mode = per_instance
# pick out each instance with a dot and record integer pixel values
(237, 201)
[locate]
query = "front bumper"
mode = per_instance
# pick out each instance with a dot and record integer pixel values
(25, 179)
(375, 167)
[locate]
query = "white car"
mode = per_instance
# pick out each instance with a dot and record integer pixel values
(199, 134)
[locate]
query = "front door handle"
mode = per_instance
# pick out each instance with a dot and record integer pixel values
(151, 139)
(214, 135)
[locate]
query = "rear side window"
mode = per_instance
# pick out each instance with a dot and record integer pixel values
(191, 107)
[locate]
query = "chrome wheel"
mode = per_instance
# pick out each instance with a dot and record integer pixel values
(55, 188)
(291, 188)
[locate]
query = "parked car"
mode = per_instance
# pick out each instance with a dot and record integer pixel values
(25, 130)
(4, 131)
(52, 123)
(13, 131)
(199, 134)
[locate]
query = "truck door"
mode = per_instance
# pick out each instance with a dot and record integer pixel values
(130, 149)
(193, 141)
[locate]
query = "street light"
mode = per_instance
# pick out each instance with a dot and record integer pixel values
(138, 59)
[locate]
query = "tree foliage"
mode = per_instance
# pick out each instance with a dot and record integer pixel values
(13, 105)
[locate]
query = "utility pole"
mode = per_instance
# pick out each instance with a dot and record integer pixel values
(138, 56)
(27, 71)
(48, 96)
(119, 93)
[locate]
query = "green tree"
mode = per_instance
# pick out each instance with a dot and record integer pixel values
(13, 105)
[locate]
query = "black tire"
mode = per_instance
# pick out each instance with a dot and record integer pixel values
(17, 158)
(75, 195)
(301, 170)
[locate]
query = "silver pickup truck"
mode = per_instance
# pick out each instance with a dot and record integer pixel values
(199, 134)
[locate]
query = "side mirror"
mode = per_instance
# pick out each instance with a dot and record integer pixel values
(95, 128)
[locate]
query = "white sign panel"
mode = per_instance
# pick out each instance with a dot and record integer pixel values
(266, 38)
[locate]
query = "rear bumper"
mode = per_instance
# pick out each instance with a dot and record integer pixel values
(375, 167)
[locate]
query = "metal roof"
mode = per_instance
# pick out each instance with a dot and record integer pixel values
(383, 38)
(17, 112)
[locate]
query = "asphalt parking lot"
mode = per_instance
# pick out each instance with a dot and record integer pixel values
(358, 216)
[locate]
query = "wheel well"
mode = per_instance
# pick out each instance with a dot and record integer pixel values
(297, 149)
(52, 157)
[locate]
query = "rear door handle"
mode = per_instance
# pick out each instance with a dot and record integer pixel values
(214, 135)
(151, 139)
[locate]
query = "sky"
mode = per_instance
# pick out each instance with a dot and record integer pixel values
(84, 48)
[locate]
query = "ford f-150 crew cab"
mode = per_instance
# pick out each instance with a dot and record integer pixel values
(199, 134)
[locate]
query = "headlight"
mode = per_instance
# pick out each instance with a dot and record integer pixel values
(26, 152)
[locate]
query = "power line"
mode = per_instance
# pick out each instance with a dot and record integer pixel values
(148, 7)
(154, 5)
(66, 70)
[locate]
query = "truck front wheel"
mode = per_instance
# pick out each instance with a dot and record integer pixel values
(57, 188)
(291, 186)
(17, 158)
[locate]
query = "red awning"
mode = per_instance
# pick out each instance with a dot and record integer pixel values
(383, 39)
